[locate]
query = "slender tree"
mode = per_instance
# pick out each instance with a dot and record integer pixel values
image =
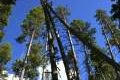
(85, 28)
(30, 28)
(63, 13)
(50, 45)
(109, 26)
(105, 32)
(34, 61)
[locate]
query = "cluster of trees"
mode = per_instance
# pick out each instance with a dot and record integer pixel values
(49, 37)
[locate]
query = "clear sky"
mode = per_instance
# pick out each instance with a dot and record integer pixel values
(80, 9)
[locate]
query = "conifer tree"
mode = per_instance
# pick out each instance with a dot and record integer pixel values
(109, 26)
(30, 34)
(85, 28)
(63, 12)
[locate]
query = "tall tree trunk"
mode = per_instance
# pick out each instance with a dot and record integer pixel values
(52, 58)
(65, 61)
(50, 20)
(27, 54)
(50, 44)
(114, 38)
(92, 46)
(108, 44)
(43, 73)
(73, 52)
(110, 51)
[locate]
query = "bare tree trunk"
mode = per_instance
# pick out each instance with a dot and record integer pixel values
(50, 44)
(43, 73)
(52, 58)
(73, 53)
(108, 44)
(65, 62)
(27, 54)
(50, 20)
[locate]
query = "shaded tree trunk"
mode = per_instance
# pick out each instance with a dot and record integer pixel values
(110, 52)
(52, 58)
(65, 62)
(50, 45)
(48, 14)
(108, 44)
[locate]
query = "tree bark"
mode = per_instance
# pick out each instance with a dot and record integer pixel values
(27, 54)
(50, 45)
(48, 14)
(73, 53)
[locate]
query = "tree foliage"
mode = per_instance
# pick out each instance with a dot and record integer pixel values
(30, 33)
(33, 21)
(5, 56)
(84, 28)
(35, 59)
(109, 26)
(116, 10)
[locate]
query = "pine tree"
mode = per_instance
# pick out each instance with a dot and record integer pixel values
(30, 33)
(35, 59)
(109, 26)
(85, 28)
(63, 13)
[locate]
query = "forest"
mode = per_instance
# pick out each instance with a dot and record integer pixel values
(55, 46)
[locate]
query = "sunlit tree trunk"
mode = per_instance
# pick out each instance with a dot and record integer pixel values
(73, 53)
(27, 54)
(63, 16)
(43, 73)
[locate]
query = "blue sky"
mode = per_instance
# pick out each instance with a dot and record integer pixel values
(80, 9)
